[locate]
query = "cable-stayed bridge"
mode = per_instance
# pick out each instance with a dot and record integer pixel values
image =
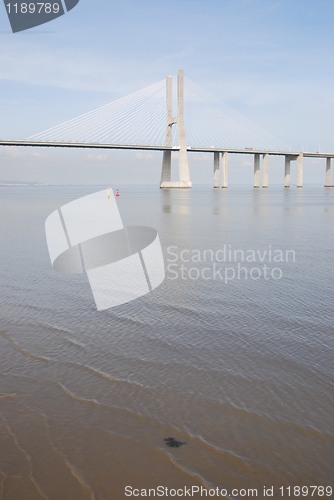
(175, 115)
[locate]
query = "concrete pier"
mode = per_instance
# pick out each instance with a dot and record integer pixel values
(256, 170)
(224, 169)
(167, 155)
(300, 170)
(184, 176)
(288, 158)
(265, 170)
(216, 170)
(287, 172)
(328, 172)
(166, 167)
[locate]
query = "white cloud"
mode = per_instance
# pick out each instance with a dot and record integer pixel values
(201, 158)
(14, 153)
(246, 163)
(144, 156)
(100, 157)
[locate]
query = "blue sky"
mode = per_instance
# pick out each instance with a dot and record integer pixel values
(269, 60)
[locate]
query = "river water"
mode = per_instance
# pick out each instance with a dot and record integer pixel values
(240, 370)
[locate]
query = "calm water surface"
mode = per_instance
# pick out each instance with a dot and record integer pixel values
(241, 371)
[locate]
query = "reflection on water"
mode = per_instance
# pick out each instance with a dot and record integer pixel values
(242, 372)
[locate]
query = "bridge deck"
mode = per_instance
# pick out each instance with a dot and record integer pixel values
(95, 145)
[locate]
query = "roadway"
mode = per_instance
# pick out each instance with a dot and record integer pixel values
(211, 149)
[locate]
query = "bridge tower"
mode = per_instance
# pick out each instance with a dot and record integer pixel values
(184, 176)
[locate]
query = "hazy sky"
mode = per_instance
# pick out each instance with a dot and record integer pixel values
(270, 60)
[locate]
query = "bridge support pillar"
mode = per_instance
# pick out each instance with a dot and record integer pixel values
(256, 170)
(287, 172)
(184, 176)
(167, 155)
(166, 167)
(300, 171)
(328, 172)
(216, 170)
(224, 169)
(265, 170)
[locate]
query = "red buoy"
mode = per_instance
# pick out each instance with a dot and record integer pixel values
(117, 193)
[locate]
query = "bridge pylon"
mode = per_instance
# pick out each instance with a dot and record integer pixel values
(184, 176)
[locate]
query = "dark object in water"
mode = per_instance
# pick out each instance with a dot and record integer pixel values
(173, 443)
